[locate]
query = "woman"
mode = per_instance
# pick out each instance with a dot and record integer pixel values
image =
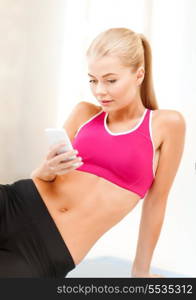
(130, 150)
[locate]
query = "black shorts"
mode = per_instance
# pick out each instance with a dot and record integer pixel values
(30, 242)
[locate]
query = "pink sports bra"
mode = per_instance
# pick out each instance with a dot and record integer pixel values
(124, 158)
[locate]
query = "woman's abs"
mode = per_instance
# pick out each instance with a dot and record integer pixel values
(83, 207)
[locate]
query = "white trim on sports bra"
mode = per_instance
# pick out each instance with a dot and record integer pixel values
(150, 129)
(124, 132)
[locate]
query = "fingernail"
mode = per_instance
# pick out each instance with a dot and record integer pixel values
(76, 165)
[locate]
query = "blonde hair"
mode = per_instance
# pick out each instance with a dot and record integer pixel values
(134, 51)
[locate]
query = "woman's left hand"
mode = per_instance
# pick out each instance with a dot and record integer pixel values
(155, 275)
(147, 275)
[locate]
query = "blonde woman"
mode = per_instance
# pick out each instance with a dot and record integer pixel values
(128, 149)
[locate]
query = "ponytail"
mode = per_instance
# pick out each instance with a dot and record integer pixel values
(147, 90)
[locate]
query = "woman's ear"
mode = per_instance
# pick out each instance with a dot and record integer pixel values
(140, 75)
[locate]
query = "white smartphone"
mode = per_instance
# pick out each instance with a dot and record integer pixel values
(58, 135)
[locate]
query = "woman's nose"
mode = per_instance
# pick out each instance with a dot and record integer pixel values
(100, 89)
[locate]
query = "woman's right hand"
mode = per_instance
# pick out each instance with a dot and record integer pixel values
(55, 164)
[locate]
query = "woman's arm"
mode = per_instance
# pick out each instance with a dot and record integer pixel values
(154, 205)
(71, 125)
(44, 171)
(56, 164)
(38, 173)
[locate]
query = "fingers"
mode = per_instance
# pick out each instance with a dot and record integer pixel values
(155, 276)
(62, 163)
(147, 275)
(54, 150)
(68, 169)
(58, 164)
(68, 157)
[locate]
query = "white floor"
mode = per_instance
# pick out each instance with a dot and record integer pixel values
(112, 267)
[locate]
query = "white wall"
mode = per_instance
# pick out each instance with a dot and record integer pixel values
(174, 45)
(30, 57)
(43, 75)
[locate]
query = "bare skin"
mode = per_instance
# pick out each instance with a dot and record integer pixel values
(84, 206)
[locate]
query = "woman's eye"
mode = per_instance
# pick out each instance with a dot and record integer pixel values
(94, 81)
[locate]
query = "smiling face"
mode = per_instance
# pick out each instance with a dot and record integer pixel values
(110, 80)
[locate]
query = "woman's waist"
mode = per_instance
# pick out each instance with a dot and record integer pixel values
(67, 190)
(82, 189)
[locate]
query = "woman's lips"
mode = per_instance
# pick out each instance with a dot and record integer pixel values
(106, 101)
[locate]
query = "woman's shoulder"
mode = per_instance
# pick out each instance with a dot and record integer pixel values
(168, 117)
(89, 107)
(86, 110)
(169, 120)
